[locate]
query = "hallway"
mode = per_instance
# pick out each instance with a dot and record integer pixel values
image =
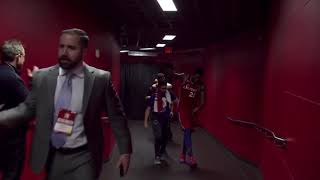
(261, 77)
(215, 162)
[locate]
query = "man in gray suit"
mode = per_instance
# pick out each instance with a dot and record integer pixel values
(67, 101)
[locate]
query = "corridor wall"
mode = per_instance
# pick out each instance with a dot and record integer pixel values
(291, 91)
(38, 24)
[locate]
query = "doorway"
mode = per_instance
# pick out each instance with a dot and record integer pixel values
(135, 80)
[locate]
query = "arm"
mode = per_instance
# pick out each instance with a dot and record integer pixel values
(16, 92)
(24, 111)
(30, 74)
(149, 93)
(147, 111)
(178, 74)
(173, 103)
(182, 76)
(146, 116)
(118, 119)
(202, 100)
(119, 125)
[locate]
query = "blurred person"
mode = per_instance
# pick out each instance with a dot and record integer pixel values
(190, 103)
(12, 92)
(160, 105)
(67, 101)
(161, 78)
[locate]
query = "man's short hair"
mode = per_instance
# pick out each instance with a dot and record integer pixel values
(160, 75)
(10, 49)
(199, 71)
(84, 38)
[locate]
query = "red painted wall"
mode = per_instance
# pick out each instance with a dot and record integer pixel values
(273, 82)
(270, 79)
(291, 97)
(38, 24)
(234, 82)
(233, 77)
(233, 73)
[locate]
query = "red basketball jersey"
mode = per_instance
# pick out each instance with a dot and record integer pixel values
(190, 93)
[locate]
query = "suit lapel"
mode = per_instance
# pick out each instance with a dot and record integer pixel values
(52, 83)
(51, 87)
(88, 84)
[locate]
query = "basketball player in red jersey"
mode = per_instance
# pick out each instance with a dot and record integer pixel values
(191, 101)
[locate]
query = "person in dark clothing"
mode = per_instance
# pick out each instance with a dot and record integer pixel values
(12, 92)
(160, 105)
(161, 78)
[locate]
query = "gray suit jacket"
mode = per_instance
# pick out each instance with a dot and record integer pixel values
(99, 96)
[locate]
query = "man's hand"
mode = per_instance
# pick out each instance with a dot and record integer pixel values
(124, 161)
(29, 72)
(195, 110)
(1, 106)
(171, 114)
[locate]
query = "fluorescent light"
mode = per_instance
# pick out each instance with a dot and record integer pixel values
(161, 45)
(124, 51)
(139, 53)
(167, 5)
(169, 37)
(147, 49)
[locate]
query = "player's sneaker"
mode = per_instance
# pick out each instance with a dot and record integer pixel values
(157, 160)
(182, 158)
(191, 161)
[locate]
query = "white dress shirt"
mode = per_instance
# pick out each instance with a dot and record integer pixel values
(78, 137)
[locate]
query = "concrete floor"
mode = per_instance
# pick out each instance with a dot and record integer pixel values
(215, 162)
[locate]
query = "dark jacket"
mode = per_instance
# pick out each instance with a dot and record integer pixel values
(12, 92)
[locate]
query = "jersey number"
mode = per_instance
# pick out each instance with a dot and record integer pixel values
(192, 94)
